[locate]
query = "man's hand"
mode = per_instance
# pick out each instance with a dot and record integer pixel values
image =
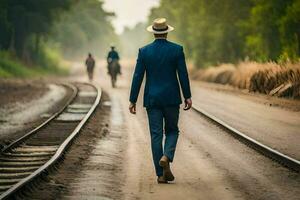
(187, 104)
(132, 108)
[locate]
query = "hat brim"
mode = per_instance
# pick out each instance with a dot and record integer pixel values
(150, 29)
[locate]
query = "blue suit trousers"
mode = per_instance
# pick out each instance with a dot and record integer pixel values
(163, 120)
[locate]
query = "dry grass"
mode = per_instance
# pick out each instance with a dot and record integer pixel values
(268, 78)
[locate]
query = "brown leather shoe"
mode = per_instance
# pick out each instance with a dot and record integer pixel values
(167, 173)
(161, 180)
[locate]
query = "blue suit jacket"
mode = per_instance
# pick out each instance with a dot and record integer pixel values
(163, 62)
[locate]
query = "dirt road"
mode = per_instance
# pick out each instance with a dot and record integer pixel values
(209, 164)
(262, 118)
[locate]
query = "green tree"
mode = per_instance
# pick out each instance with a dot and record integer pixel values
(289, 29)
(221, 31)
(23, 23)
(85, 28)
(209, 29)
(5, 26)
(263, 41)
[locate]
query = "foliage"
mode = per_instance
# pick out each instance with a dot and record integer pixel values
(223, 31)
(85, 28)
(24, 27)
(36, 31)
(11, 66)
(22, 20)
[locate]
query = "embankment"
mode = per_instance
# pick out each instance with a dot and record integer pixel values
(267, 78)
(13, 67)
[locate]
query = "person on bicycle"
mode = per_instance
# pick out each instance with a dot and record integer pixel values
(113, 56)
(90, 65)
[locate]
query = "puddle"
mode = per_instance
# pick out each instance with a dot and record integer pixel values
(106, 103)
(116, 112)
(46, 115)
(87, 94)
(80, 106)
(70, 117)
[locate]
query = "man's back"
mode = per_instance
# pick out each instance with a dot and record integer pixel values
(90, 62)
(162, 61)
(113, 55)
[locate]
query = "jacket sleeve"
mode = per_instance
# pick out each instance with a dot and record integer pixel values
(183, 75)
(137, 78)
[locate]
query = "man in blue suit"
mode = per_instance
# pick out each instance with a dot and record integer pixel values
(164, 63)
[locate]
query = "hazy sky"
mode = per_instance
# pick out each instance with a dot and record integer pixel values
(129, 12)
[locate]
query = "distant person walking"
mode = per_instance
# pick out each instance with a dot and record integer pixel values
(162, 61)
(90, 65)
(113, 65)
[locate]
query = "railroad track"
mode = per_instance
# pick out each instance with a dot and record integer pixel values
(267, 151)
(32, 155)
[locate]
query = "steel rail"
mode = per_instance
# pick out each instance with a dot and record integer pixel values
(30, 133)
(281, 158)
(58, 154)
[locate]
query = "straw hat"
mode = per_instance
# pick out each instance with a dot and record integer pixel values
(160, 26)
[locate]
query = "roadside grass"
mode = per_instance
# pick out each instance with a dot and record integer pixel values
(267, 78)
(11, 67)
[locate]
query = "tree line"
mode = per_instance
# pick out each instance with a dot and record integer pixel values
(228, 31)
(24, 23)
(72, 27)
(85, 28)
